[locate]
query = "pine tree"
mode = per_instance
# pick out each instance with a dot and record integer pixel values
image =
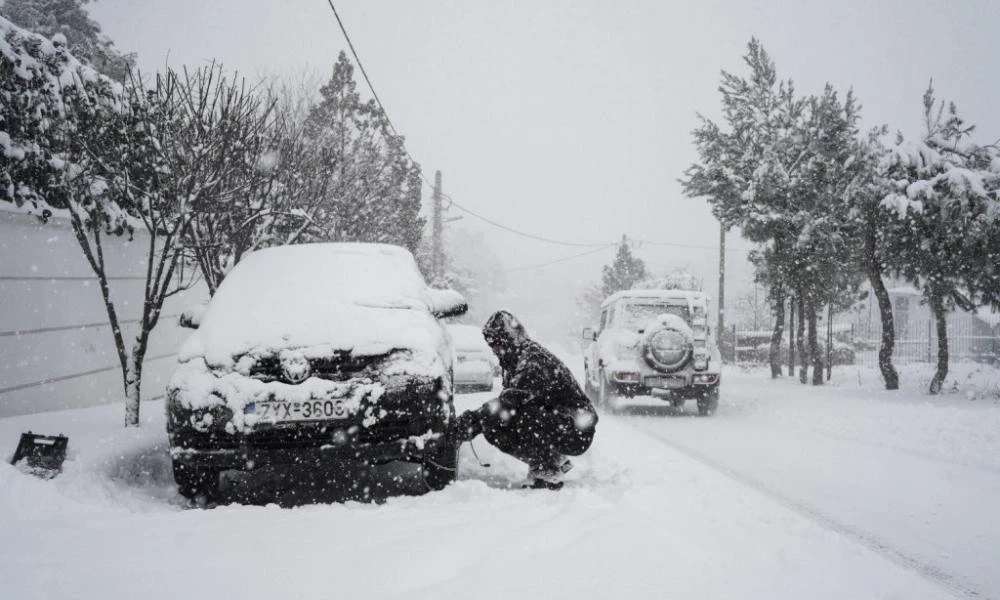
(778, 170)
(748, 167)
(374, 191)
(870, 224)
(624, 272)
(69, 19)
(943, 190)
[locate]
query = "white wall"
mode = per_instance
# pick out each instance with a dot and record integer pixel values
(56, 348)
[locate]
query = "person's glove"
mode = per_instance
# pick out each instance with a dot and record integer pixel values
(467, 426)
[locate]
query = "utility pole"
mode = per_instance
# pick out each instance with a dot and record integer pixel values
(722, 282)
(437, 233)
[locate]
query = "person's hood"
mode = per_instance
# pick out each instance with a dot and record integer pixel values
(504, 329)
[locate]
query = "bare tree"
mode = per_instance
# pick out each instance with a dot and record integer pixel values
(240, 122)
(124, 170)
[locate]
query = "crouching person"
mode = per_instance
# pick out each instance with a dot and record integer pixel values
(541, 417)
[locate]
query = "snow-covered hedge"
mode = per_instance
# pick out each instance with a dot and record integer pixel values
(40, 83)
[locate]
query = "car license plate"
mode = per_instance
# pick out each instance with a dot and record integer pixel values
(665, 383)
(277, 411)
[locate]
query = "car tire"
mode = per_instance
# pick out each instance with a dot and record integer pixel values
(708, 402)
(605, 397)
(439, 466)
(196, 482)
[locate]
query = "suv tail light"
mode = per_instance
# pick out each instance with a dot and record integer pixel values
(626, 376)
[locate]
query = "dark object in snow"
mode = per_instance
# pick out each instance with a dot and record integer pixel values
(542, 415)
(44, 454)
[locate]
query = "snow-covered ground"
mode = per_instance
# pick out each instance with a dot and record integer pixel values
(790, 491)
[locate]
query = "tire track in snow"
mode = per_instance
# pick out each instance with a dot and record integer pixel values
(911, 562)
(862, 441)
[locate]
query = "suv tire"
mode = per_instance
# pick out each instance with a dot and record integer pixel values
(708, 402)
(605, 397)
(588, 389)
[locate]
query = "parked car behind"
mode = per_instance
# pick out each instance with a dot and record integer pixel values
(313, 353)
(475, 363)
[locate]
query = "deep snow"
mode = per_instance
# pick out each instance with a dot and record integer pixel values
(789, 491)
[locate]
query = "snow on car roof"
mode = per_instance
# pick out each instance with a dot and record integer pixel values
(686, 296)
(467, 337)
(369, 298)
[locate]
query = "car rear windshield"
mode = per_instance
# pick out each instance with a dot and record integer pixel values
(636, 316)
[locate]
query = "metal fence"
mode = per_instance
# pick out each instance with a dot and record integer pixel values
(967, 340)
(850, 342)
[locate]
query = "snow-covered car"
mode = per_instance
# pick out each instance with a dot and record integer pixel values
(654, 342)
(315, 353)
(475, 363)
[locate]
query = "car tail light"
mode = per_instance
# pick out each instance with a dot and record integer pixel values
(626, 376)
(700, 359)
(706, 378)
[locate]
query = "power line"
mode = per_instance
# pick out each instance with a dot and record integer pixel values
(368, 81)
(371, 87)
(522, 233)
(557, 261)
(578, 244)
(361, 66)
(697, 246)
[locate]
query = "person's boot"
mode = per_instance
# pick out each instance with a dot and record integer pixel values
(548, 477)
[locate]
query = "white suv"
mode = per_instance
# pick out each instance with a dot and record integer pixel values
(654, 342)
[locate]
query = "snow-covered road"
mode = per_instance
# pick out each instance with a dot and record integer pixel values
(789, 492)
(919, 507)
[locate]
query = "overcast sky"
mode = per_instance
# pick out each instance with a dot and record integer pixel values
(572, 119)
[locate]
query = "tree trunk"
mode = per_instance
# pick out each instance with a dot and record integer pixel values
(133, 382)
(774, 355)
(791, 336)
(814, 351)
(940, 318)
(829, 341)
(800, 334)
(885, 350)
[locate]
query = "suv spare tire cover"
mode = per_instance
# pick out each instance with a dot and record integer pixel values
(667, 346)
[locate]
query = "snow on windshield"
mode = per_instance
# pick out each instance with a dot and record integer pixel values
(365, 297)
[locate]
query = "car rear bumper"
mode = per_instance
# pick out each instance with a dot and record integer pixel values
(689, 387)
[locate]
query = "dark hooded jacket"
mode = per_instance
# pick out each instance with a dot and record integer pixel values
(532, 374)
